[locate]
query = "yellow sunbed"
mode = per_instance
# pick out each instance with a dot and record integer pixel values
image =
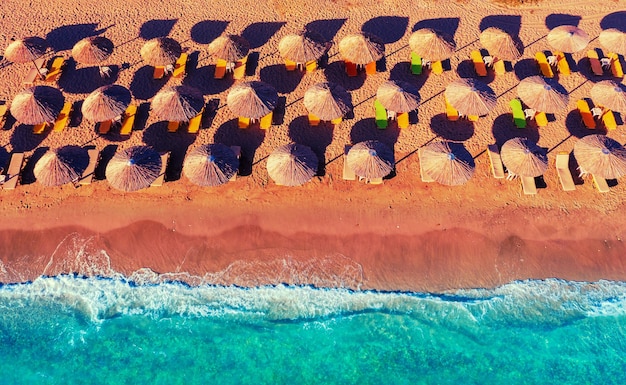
(180, 68)
(585, 113)
(528, 185)
(290, 65)
(312, 66)
(561, 63)
(562, 169)
(336, 121)
(240, 68)
(451, 112)
(479, 63)
(40, 128)
(129, 120)
(313, 120)
(436, 67)
(541, 119)
(55, 69)
(194, 123)
(266, 121)
(498, 66)
(544, 66)
(403, 120)
(243, 122)
(608, 118)
(616, 65)
(63, 118)
(600, 184)
(495, 160)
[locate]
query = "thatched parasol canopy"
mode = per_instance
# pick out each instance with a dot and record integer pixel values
(523, 157)
(106, 103)
(211, 165)
(303, 47)
(178, 103)
(361, 48)
(500, 44)
(371, 159)
(448, 163)
(38, 104)
(292, 164)
(133, 168)
(568, 38)
(542, 94)
(431, 45)
(398, 96)
(614, 40)
(92, 50)
(609, 94)
(161, 51)
(470, 97)
(601, 156)
(252, 100)
(26, 49)
(62, 165)
(327, 101)
(229, 47)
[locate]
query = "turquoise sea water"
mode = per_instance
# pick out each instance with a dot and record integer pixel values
(66, 329)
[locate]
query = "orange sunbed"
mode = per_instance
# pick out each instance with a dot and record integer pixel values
(451, 112)
(290, 65)
(243, 122)
(351, 69)
(104, 127)
(370, 68)
(403, 120)
(159, 72)
(313, 120)
(40, 128)
(594, 61)
(172, 126)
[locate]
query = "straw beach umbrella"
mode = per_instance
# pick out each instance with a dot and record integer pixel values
(601, 156)
(371, 159)
(38, 104)
(542, 94)
(328, 101)
(304, 47)
(523, 157)
(609, 94)
(500, 44)
(470, 97)
(361, 48)
(292, 165)
(229, 47)
(161, 51)
(613, 40)
(431, 45)
(60, 166)
(92, 50)
(568, 38)
(133, 168)
(252, 99)
(178, 103)
(26, 50)
(448, 163)
(106, 103)
(398, 96)
(211, 165)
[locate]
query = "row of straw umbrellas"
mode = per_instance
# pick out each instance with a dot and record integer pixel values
(293, 164)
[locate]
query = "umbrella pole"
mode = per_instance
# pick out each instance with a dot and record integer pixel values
(37, 68)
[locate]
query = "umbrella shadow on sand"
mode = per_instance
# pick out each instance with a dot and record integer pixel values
(28, 174)
(257, 34)
(402, 72)
(328, 28)
(201, 79)
(23, 138)
(366, 129)
(446, 25)
(156, 28)
(204, 32)
(504, 129)
(335, 72)
(249, 140)
(510, 24)
(465, 69)
(86, 79)
(318, 138)
(176, 143)
(143, 86)
(524, 68)
(558, 19)
(576, 127)
(458, 131)
(389, 29)
(4, 159)
(284, 81)
(615, 20)
(64, 37)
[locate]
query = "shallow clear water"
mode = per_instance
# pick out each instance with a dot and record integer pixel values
(75, 330)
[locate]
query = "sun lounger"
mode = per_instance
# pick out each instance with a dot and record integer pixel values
(616, 65)
(290, 65)
(519, 118)
(313, 120)
(594, 61)
(473, 118)
(194, 123)
(374, 181)
(425, 177)
(499, 67)
(544, 66)
(565, 175)
(403, 120)
(34, 73)
(497, 169)
(172, 126)
(381, 115)
(243, 122)
(348, 173)
(180, 68)
(451, 112)
(55, 69)
(220, 69)
(541, 119)
(13, 173)
(561, 63)
(158, 182)
(266, 121)
(416, 64)
(87, 176)
(585, 113)
(608, 118)
(600, 184)
(105, 127)
(240, 68)
(3, 111)
(370, 68)
(351, 69)
(159, 72)
(40, 128)
(237, 151)
(129, 120)
(63, 118)
(528, 185)
(311, 66)
(479, 64)
(436, 67)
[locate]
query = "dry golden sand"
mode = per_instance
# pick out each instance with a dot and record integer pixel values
(403, 235)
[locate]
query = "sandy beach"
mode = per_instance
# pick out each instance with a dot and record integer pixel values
(402, 235)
